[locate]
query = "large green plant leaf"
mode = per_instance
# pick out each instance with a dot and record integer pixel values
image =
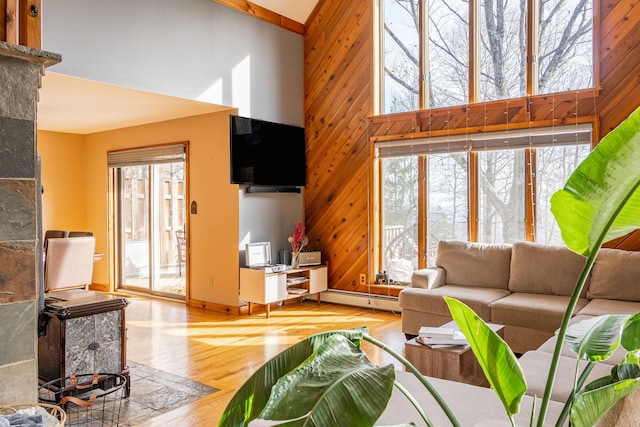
(251, 398)
(596, 339)
(631, 333)
(337, 386)
(601, 201)
(496, 359)
(600, 396)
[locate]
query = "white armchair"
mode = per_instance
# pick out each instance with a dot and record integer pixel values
(69, 263)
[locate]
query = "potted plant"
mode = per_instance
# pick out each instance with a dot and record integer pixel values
(308, 383)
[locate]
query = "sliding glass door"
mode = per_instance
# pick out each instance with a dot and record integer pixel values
(150, 218)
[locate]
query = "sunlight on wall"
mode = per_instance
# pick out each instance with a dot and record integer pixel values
(241, 87)
(213, 94)
(244, 241)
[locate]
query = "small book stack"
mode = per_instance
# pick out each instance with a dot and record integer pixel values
(441, 337)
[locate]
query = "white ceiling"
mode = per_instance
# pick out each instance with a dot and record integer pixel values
(73, 105)
(298, 10)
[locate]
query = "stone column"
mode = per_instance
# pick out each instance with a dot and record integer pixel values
(21, 69)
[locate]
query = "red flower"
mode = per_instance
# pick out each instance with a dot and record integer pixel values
(299, 239)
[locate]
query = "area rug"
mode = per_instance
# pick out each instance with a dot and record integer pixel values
(155, 392)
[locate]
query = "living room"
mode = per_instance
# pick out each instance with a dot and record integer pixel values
(326, 85)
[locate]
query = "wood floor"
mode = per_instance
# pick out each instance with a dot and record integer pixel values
(223, 350)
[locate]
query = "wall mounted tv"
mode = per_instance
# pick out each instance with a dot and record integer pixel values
(267, 154)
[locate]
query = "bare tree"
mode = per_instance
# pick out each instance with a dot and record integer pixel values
(564, 55)
(564, 35)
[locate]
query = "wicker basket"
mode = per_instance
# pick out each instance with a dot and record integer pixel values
(54, 410)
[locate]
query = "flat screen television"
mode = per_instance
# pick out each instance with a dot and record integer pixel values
(267, 154)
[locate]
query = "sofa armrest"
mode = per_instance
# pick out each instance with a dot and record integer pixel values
(428, 278)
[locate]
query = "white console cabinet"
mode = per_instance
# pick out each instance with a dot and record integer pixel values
(259, 287)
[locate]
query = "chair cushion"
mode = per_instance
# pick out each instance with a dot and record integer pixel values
(431, 301)
(615, 276)
(475, 264)
(542, 312)
(542, 269)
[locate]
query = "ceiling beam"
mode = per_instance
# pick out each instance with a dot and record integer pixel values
(264, 14)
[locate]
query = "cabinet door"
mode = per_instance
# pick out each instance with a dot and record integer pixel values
(94, 344)
(275, 288)
(78, 356)
(317, 280)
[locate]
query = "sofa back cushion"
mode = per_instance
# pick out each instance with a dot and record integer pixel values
(615, 275)
(475, 264)
(542, 269)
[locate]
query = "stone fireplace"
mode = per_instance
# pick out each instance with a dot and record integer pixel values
(21, 69)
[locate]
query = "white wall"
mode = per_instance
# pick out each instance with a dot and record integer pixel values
(194, 49)
(268, 217)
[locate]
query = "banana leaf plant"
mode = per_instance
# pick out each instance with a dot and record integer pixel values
(327, 380)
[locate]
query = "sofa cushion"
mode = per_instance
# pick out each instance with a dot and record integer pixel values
(542, 269)
(470, 404)
(542, 312)
(598, 307)
(475, 264)
(549, 346)
(428, 278)
(615, 275)
(432, 301)
(535, 365)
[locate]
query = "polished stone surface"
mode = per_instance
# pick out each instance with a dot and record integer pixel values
(18, 278)
(93, 343)
(19, 382)
(19, 320)
(18, 212)
(17, 142)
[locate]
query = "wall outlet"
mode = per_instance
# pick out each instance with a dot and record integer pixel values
(210, 280)
(363, 279)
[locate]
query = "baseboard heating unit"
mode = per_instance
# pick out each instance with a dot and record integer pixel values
(357, 299)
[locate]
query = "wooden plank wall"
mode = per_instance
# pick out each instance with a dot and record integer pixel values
(338, 100)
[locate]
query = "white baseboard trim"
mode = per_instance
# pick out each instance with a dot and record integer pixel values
(357, 299)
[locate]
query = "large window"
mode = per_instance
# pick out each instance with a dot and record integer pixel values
(437, 53)
(493, 189)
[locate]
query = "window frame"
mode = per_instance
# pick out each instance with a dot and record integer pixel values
(530, 194)
(532, 22)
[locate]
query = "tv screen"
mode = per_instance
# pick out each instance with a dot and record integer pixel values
(266, 153)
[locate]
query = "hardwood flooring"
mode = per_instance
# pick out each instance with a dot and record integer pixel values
(223, 350)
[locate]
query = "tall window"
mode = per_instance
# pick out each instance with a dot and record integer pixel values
(401, 59)
(438, 53)
(447, 199)
(400, 216)
(501, 177)
(487, 188)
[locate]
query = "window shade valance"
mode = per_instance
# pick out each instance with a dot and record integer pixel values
(146, 156)
(500, 140)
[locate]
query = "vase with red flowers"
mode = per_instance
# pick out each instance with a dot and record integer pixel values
(298, 241)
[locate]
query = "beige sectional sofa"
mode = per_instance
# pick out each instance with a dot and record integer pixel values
(527, 287)
(524, 286)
